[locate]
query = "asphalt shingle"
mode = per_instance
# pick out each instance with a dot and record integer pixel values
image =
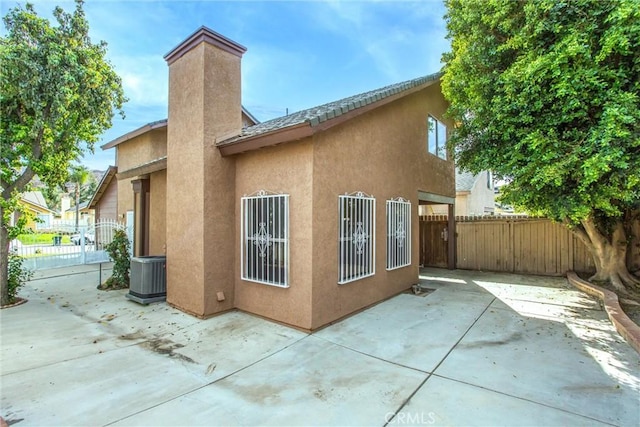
(316, 115)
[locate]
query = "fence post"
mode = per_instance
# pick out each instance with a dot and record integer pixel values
(83, 254)
(452, 230)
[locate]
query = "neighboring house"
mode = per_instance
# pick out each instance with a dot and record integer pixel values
(475, 195)
(68, 213)
(104, 201)
(36, 204)
(302, 219)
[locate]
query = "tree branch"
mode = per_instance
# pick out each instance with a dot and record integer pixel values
(19, 184)
(27, 175)
(579, 232)
(595, 237)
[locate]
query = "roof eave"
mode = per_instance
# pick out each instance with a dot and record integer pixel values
(144, 169)
(102, 186)
(134, 133)
(279, 136)
(37, 205)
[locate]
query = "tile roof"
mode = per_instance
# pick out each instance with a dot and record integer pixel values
(154, 125)
(465, 180)
(316, 115)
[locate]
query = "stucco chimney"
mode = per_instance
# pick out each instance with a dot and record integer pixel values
(204, 107)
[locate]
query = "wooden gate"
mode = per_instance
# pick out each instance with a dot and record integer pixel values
(509, 244)
(434, 237)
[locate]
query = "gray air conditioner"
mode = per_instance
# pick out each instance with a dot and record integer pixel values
(148, 279)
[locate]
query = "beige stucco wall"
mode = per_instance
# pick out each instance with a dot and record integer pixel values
(157, 212)
(142, 149)
(382, 153)
(284, 169)
(132, 153)
(125, 198)
(204, 106)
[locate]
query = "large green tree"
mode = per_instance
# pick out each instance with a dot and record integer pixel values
(545, 93)
(58, 94)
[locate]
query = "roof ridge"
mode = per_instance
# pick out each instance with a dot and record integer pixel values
(330, 110)
(349, 103)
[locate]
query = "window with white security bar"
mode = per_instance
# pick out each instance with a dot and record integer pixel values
(357, 238)
(265, 238)
(398, 233)
(437, 137)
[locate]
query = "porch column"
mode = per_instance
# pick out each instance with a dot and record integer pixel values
(141, 216)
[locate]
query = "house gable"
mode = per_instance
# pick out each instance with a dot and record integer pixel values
(305, 123)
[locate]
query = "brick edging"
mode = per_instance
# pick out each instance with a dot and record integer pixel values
(625, 326)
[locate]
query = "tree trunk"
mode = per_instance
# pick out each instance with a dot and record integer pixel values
(610, 255)
(4, 262)
(633, 251)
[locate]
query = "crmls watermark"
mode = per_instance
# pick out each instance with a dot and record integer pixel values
(410, 418)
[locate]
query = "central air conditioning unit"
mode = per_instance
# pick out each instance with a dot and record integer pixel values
(148, 279)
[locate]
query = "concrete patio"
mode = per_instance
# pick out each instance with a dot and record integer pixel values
(481, 349)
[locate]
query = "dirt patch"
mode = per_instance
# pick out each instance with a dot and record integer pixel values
(165, 346)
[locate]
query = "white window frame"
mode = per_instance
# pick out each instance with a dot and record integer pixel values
(398, 233)
(436, 136)
(264, 253)
(356, 237)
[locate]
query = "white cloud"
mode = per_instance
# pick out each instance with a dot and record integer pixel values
(396, 36)
(144, 79)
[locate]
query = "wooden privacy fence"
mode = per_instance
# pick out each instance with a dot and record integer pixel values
(509, 244)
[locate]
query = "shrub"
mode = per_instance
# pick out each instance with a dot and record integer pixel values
(118, 251)
(18, 275)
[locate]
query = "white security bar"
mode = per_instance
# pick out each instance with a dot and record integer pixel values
(398, 233)
(265, 238)
(357, 239)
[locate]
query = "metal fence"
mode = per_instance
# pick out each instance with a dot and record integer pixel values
(63, 246)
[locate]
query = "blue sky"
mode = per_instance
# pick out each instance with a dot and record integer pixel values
(299, 53)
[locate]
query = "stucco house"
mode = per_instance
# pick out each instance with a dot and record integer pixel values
(302, 219)
(474, 193)
(41, 216)
(68, 213)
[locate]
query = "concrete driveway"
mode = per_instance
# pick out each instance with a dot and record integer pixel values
(481, 349)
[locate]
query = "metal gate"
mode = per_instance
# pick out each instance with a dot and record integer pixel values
(62, 245)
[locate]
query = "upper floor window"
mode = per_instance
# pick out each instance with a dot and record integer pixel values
(265, 238)
(357, 237)
(437, 137)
